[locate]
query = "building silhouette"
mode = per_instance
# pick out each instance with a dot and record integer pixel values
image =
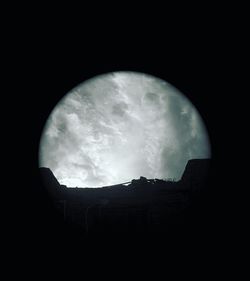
(142, 205)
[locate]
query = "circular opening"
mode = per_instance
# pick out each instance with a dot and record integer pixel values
(121, 126)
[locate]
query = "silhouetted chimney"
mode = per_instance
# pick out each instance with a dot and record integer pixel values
(49, 179)
(195, 173)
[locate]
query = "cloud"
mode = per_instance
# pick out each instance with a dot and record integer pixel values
(117, 127)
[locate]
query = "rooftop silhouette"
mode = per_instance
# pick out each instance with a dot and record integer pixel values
(138, 204)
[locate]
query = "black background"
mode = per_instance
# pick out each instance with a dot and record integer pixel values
(55, 57)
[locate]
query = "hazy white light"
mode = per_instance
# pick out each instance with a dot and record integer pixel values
(120, 126)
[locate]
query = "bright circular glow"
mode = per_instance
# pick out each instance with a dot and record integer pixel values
(119, 126)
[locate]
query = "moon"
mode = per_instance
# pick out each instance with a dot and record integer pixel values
(119, 126)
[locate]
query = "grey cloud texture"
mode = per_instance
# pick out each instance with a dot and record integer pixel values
(121, 126)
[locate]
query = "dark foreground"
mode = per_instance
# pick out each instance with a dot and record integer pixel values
(139, 208)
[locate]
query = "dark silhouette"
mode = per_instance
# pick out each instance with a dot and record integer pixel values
(148, 205)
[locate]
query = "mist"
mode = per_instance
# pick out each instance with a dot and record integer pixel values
(120, 126)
